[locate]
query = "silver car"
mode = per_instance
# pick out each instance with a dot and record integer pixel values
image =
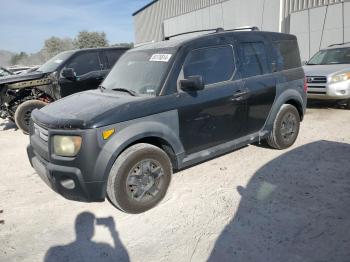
(328, 74)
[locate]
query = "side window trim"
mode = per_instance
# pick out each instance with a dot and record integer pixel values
(181, 74)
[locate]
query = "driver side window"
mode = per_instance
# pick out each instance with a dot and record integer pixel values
(214, 64)
(85, 63)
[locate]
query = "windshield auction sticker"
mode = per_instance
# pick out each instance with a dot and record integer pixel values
(160, 58)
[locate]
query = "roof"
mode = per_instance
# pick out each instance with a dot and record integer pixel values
(143, 8)
(335, 46)
(177, 41)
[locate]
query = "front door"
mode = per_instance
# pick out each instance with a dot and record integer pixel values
(216, 114)
(88, 70)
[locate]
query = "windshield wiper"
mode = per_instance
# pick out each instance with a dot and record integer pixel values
(131, 92)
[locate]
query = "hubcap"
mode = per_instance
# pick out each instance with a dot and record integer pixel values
(145, 180)
(289, 126)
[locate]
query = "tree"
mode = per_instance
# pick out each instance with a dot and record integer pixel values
(19, 58)
(55, 45)
(87, 39)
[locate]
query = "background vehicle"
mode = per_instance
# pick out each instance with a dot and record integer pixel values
(67, 73)
(4, 72)
(328, 74)
(164, 107)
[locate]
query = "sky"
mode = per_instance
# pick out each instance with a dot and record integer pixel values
(26, 24)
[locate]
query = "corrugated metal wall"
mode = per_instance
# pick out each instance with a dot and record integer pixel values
(148, 23)
(319, 27)
(291, 6)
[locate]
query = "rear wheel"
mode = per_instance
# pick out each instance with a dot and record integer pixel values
(139, 178)
(24, 111)
(285, 129)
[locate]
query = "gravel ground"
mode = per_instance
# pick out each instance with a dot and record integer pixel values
(254, 204)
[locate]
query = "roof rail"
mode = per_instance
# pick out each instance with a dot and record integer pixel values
(196, 31)
(339, 44)
(215, 30)
(246, 28)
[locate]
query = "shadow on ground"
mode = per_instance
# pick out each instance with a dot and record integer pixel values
(7, 125)
(322, 104)
(295, 208)
(84, 249)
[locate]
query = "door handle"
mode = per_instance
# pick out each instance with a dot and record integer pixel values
(238, 95)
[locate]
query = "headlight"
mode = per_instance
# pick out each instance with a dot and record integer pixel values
(66, 145)
(340, 77)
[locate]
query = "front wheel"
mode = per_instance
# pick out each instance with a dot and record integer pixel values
(285, 128)
(139, 178)
(24, 111)
(347, 106)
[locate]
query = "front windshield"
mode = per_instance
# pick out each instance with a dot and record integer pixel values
(139, 71)
(54, 62)
(331, 56)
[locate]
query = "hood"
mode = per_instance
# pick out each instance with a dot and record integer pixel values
(89, 109)
(19, 78)
(325, 70)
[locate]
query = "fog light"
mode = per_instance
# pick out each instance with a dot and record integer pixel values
(342, 92)
(68, 183)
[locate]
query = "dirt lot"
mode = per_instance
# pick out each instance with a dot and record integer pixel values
(254, 204)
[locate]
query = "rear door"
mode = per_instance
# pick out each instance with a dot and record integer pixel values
(216, 114)
(259, 80)
(88, 68)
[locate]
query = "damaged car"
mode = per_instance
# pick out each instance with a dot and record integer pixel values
(65, 74)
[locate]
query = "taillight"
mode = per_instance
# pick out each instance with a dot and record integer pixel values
(305, 85)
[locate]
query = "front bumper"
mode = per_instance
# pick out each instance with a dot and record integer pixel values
(66, 181)
(73, 178)
(327, 91)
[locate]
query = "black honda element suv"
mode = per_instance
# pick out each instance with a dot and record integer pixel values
(166, 106)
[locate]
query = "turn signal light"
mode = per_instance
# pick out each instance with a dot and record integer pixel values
(108, 133)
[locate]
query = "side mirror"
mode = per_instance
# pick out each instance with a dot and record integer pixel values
(69, 74)
(192, 83)
(304, 63)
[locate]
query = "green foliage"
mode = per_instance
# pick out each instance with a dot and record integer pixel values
(87, 39)
(55, 45)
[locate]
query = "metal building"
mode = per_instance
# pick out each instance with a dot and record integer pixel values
(316, 23)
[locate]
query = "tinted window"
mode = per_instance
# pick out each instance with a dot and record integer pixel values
(288, 56)
(85, 63)
(113, 56)
(254, 59)
(214, 64)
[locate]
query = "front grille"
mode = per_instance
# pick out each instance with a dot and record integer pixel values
(316, 79)
(41, 132)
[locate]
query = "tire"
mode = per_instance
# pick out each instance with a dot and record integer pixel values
(23, 112)
(347, 106)
(287, 118)
(134, 188)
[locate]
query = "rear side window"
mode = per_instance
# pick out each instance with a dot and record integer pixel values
(288, 56)
(254, 59)
(214, 64)
(85, 63)
(113, 56)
